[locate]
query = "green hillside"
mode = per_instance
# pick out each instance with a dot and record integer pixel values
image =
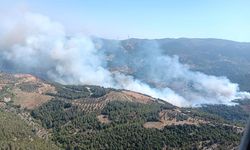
(17, 134)
(76, 117)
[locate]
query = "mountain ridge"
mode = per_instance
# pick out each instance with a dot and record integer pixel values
(217, 57)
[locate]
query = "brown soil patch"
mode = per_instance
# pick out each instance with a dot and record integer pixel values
(139, 97)
(103, 119)
(167, 118)
(29, 100)
(161, 125)
(46, 88)
(113, 96)
(26, 77)
(156, 125)
(128, 96)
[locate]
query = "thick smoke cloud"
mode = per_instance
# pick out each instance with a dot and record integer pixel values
(32, 43)
(37, 45)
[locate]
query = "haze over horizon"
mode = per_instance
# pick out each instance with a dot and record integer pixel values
(33, 43)
(147, 20)
(55, 41)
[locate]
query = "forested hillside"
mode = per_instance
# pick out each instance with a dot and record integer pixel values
(15, 133)
(93, 117)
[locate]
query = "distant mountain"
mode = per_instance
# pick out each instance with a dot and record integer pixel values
(211, 56)
(93, 117)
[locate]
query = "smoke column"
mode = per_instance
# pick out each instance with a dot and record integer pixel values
(32, 43)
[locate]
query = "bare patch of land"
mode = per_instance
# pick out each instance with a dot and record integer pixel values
(138, 97)
(173, 117)
(30, 100)
(103, 119)
(25, 90)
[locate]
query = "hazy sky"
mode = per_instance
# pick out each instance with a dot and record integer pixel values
(227, 19)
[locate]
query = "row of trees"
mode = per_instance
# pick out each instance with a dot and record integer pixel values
(73, 129)
(77, 92)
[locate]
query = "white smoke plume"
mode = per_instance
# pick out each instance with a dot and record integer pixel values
(33, 43)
